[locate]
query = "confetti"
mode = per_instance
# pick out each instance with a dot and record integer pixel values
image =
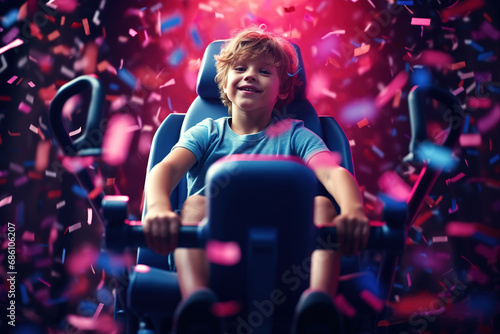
(372, 300)
(98, 311)
(223, 253)
(14, 44)
(388, 92)
(89, 216)
(363, 122)
(75, 227)
(5, 201)
(75, 132)
(343, 305)
(226, 308)
(12, 79)
(416, 21)
(86, 27)
(440, 239)
(117, 139)
(361, 50)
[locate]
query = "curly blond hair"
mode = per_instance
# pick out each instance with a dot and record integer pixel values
(254, 42)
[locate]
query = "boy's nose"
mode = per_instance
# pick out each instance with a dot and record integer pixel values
(249, 76)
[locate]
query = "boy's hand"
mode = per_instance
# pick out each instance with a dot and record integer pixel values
(161, 229)
(353, 230)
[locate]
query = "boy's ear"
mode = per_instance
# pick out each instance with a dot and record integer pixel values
(282, 96)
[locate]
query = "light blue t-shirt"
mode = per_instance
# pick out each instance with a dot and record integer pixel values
(211, 140)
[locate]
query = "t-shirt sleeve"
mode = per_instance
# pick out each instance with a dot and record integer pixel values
(197, 138)
(306, 143)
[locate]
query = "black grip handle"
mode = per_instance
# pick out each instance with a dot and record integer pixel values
(132, 235)
(416, 104)
(391, 239)
(78, 85)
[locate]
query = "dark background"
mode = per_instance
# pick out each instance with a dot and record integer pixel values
(61, 279)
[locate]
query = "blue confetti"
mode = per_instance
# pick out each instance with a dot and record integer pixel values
(169, 103)
(176, 57)
(196, 38)
(63, 255)
(171, 22)
(10, 18)
(485, 56)
(378, 151)
(114, 86)
(24, 293)
(20, 213)
(29, 163)
(405, 2)
(127, 78)
(466, 124)
(476, 46)
(394, 132)
(494, 159)
(437, 156)
(79, 191)
(485, 239)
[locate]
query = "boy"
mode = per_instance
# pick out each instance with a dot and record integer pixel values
(255, 75)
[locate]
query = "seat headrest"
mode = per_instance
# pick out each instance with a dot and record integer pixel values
(206, 87)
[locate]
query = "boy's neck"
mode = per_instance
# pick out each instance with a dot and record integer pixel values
(246, 123)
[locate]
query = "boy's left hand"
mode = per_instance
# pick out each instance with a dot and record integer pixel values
(353, 231)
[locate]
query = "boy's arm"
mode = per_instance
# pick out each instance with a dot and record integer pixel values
(161, 225)
(353, 227)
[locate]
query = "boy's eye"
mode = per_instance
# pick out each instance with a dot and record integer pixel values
(267, 72)
(239, 68)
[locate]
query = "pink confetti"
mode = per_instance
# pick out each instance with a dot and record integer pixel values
(31, 84)
(75, 227)
(433, 58)
(324, 159)
(487, 252)
(117, 139)
(89, 216)
(470, 140)
(477, 275)
(388, 92)
(440, 239)
(417, 21)
(41, 280)
(80, 260)
(98, 311)
(392, 184)
(361, 50)
(343, 305)
(132, 32)
(278, 128)
(170, 82)
(226, 309)
(363, 122)
(457, 177)
(75, 132)
(142, 268)
(11, 45)
(11, 80)
(86, 26)
(5, 201)
(25, 108)
(28, 236)
(458, 90)
(223, 253)
(489, 121)
(33, 128)
(372, 300)
(479, 103)
(408, 279)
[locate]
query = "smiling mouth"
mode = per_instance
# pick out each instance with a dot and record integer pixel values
(249, 89)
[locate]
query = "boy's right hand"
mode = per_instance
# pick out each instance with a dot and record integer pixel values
(161, 229)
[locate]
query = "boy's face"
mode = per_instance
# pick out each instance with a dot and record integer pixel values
(253, 85)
